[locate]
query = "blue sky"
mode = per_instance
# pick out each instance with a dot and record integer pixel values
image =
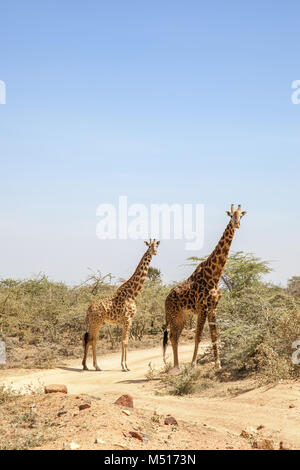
(173, 101)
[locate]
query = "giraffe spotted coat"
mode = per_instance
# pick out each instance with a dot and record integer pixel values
(199, 295)
(118, 309)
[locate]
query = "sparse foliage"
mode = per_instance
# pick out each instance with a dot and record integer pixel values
(154, 274)
(242, 270)
(258, 322)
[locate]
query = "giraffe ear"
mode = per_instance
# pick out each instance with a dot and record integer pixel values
(158, 242)
(146, 243)
(243, 213)
(228, 213)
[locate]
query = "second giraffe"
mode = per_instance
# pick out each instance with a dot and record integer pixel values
(200, 294)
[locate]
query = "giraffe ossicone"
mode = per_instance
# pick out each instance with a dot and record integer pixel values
(118, 309)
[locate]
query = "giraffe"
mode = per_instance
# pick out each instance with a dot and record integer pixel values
(199, 295)
(118, 309)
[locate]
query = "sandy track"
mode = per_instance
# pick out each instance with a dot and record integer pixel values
(265, 406)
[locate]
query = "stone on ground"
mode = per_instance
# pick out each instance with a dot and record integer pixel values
(125, 400)
(55, 388)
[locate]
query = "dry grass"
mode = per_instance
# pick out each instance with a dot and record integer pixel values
(43, 322)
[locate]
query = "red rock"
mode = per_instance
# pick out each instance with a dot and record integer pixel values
(292, 406)
(84, 406)
(171, 420)
(55, 388)
(136, 435)
(125, 400)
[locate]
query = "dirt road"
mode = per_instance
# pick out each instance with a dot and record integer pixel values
(267, 406)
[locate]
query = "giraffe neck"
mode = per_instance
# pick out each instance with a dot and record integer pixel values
(135, 283)
(217, 259)
(214, 265)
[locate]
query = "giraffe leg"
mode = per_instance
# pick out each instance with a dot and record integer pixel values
(125, 357)
(90, 338)
(214, 337)
(200, 325)
(174, 342)
(86, 345)
(175, 332)
(125, 338)
(95, 364)
(95, 334)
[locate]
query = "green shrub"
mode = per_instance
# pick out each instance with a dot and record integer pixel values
(190, 380)
(261, 318)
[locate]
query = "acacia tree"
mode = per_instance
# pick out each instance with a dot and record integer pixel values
(154, 274)
(241, 270)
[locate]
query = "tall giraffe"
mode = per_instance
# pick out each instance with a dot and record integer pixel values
(199, 295)
(118, 309)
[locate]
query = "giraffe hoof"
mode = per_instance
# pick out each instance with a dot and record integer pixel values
(97, 368)
(85, 368)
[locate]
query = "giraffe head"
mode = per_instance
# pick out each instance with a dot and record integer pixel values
(152, 244)
(235, 215)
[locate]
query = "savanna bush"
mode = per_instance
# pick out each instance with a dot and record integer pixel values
(258, 322)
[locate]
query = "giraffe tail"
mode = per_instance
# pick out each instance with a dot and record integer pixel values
(85, 339)
(165, 342)
(86, 335)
